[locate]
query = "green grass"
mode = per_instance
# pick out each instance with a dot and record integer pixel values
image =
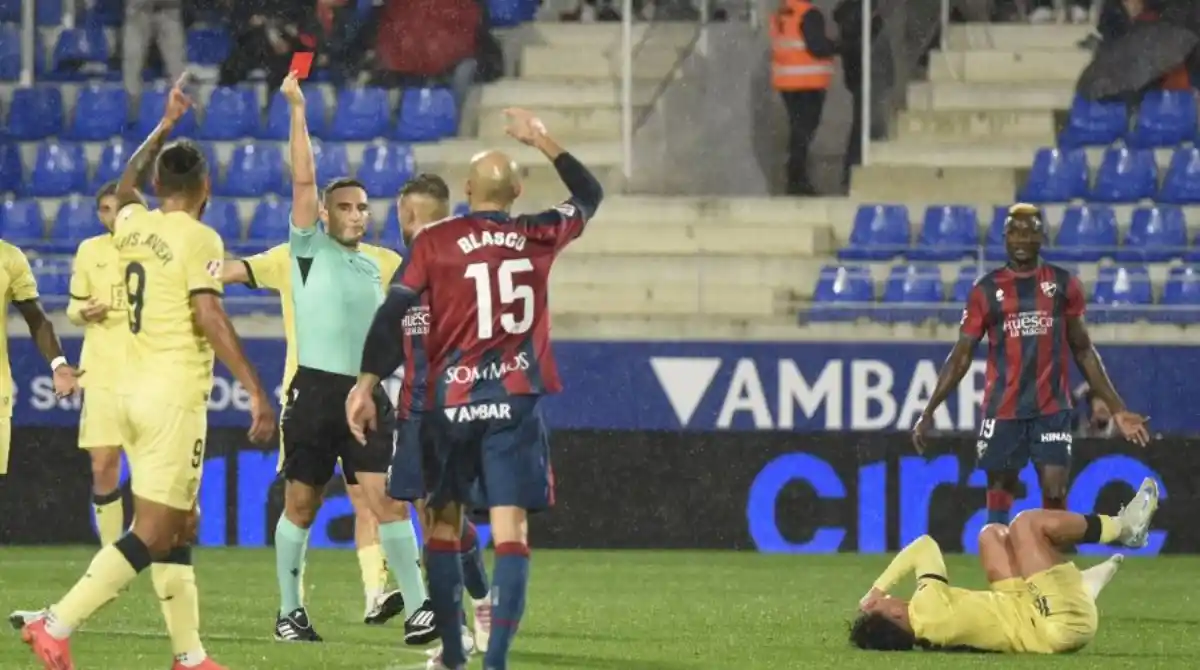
(594, 611)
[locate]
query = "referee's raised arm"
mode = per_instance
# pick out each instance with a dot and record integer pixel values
(305, 206)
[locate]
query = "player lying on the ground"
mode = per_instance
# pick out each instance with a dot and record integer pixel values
(1039, 602)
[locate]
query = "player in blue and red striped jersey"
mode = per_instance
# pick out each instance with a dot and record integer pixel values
(1033, 315)
(485, 277)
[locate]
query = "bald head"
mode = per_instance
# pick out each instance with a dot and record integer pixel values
(493, 181)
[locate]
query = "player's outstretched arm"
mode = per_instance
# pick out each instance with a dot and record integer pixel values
(586, 191)
(218, 330)
(137, 171)
(235, 272)
(922, 557)
(305, 209)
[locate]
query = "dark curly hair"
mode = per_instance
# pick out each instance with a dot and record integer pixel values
(875, 632)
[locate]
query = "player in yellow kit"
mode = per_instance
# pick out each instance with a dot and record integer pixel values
(98, 304)
(1039, 602)
(272, 270)
(19, 288)
(171, 267)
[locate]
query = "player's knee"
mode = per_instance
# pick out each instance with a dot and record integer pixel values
(1026, 524)
(993, 535)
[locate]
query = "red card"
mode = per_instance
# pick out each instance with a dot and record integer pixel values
(301, 64)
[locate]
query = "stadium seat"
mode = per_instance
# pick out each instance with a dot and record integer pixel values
(278, 120)
(10, 11)
(948, 233)
(58, 169)
(104, 13)
(240, 299)
(112, 162)
(78, 53)
(1126, 175)
(208, 46)
(1093, 123)
(270, 223)
(48, 13)
(1181, 184)
(361, 114)
(10, 46)
(232, 114)
(214, 165)
(253, 170)
(993, 246)
(385, 168)
(331, 161)
(101, 112)
(426, 115)
(150, 110)
(509, 13)
(53, 278)
(389, 234)
(462, 209)
(1119, 292)
(11, 172)
(1181, 296)
(222, 216)
(35, 113)
(967, 276)
(1156, 235)
(1057, 175)
(76, 221)
(880, 232)
(22, 222)
(842, 294)
(912, 294)
(1086, 234)
(1164, 118)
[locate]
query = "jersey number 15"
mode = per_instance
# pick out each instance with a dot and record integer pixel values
(518, 296)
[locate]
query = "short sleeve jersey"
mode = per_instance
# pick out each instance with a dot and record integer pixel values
(96, 275)
(17, 285)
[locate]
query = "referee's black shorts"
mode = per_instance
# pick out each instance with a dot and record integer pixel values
(316, 435)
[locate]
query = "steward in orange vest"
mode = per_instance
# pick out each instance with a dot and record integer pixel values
(801, 70)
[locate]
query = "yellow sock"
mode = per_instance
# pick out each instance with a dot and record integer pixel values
(1110, 528)
(176, 588)
(374, 571)
(110, 517)
(109, 572)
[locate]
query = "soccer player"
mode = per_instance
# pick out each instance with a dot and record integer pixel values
(336, 287)
(488, 351)
(171, 268)
(1039, 603)
(1032, 314)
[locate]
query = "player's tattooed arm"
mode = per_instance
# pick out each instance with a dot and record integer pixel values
(137, 170)
(1091, 365)
(41, 329)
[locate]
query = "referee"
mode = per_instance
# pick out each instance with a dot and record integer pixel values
(336, 289)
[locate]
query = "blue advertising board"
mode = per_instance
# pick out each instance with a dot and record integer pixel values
(716, 386)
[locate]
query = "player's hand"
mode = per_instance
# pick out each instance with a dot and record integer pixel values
(360, 412)
(93, 311)
(1133, 427)
(178, 102)
(868, 601)
(66, 380)
(291, 90)
(523, 126)
(920, 431)
(262, 418)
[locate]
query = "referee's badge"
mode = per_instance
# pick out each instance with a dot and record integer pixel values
(213, 268)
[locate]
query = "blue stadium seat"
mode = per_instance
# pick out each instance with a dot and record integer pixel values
(914, 293)
(361, 114)
(1165, 118)
(58, 169)
(48, 13)
(10, 47)
(208, 46)
(967, 276)
(880, 232)
(331, 161)
(1057, 175)
(232, 114)
(1119, 291)
(222, 216)
(150, 110)
(426, 115)
(240, 299)
(104, 13)
(389, 234)
(1126, 175)
(1181, 296)
(214, 165)
(1181, 185)
(78, 53)
(12, 174)
(1156, 235)
(509, 13)
(270, 223)
(112, 162)
(842, 294)
(254, 170)
(35, 113)
(1086, 234)
(10, 11)
(993, 246)
(22, 222)
(949, 232)
(76, 221)
(385, 168)
(462, 209)
(53, 278)
(101, 112)
(1094, 123)
(278, 119)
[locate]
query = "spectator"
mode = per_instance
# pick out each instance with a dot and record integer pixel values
(849, 19)
(347, 38)
(147, 22)
(265, 34)
(1078, 11)
(426, 41)
(801, 70)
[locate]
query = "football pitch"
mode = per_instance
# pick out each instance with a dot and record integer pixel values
(594, 610)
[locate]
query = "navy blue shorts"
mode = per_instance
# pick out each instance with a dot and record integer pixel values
(406, 475)
(489, 454)
(1009, 444)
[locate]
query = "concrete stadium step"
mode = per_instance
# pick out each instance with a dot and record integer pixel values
(571, 62)
(598, 36)
(971, 126)
(1006, 66)
(665, 298)
(953, 155)
(564, 93)
(676, 239)
(944, 95)
(894, 183)
(1014, 36)
(578, 266)
(570, 124)
(722, 213)
(865, 331)
(702, 327)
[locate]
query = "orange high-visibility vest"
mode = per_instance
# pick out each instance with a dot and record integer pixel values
(793, 68)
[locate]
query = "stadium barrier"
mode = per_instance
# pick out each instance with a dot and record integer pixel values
(769, 491)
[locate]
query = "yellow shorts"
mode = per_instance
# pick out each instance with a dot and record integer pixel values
(5, 440)
(165, 447)
(1068, 611)
(99, 425)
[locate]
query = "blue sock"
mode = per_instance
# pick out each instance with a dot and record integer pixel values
(474, 571)
(444, 569)
(999, 504)
(510, 579)
(291, 541)
(403, 554)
